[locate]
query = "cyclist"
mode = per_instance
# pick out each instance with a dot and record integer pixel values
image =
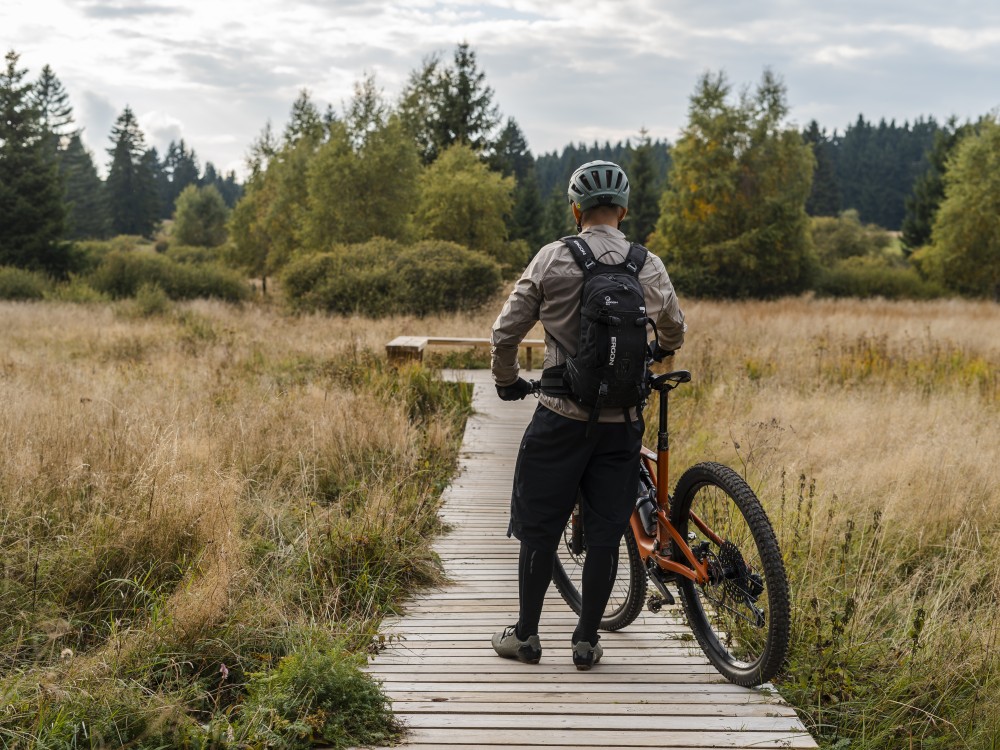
(562, 450)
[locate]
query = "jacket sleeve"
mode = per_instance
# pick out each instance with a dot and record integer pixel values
(670, 325)
(518, 316)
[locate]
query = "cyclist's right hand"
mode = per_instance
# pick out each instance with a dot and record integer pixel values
(515, 391)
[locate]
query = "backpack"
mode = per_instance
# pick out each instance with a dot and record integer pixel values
(610, 365)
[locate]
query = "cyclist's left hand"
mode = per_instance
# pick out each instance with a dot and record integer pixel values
(515, 391)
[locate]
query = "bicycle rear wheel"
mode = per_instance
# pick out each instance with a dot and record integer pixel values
(741, 617)
(629, 592)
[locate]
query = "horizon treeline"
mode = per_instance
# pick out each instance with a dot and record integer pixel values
(869, 177)
(51, 193)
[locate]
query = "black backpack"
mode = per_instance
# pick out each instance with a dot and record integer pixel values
(612, 356)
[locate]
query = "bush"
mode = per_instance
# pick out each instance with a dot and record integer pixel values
(76, 290)
(844, 236)
(192, 254)
(19, 284)
(440, 276)
(120, 275)
(875, 277)
(316, 695)
(381, 276)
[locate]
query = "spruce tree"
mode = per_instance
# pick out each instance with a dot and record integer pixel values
(180, 169)
(86, 204)
(30, 187)
(132, 196)
(644, 192)
(441, 106)
(512, 158)
(54, 109)
(824, 198)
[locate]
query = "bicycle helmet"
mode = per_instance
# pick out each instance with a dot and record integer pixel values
(598, 183)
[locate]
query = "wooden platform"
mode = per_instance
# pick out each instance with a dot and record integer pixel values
(653, 688)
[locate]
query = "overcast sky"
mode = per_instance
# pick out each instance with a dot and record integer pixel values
(214, 71)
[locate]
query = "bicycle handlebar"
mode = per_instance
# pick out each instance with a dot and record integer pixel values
(656, 383)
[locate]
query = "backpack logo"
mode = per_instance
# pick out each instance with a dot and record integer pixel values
(614, 349)
(608, 301)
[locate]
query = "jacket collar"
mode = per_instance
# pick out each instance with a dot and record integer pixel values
(605, 230)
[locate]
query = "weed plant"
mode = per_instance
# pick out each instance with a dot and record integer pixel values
(205, 511)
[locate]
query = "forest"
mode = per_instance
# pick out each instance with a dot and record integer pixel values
(863, 218)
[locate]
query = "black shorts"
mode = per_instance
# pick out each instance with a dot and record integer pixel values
(556, 460)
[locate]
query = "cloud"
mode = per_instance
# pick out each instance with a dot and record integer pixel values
(161, 128)
(840, 54)
(126, 9)
(566, 72)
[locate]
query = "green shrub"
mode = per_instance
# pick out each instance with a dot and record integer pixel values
(151, 300)
(840, 237)
(316, 693)
(120, 275)
(19, 284)
(441, 276)
(192, 254)
(76, 290)
(383, 276)
(875, 277)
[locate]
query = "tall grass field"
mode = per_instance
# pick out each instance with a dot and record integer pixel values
(206, 509)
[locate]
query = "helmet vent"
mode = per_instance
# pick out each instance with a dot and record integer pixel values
(597, 178)
(586, 184)
(607, 175)
(625, 186)
(618, 182)
(576, 190)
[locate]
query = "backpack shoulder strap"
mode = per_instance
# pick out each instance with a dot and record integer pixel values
(582, 254)
(636, 258)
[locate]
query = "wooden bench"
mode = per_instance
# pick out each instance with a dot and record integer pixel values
(411, 348)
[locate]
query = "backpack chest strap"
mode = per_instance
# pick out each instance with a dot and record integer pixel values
(635, 259)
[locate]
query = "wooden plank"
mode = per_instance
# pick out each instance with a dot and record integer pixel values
(609, 739)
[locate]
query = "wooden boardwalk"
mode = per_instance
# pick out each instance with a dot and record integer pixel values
(653, 688)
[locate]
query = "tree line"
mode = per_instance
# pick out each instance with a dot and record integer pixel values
(50, 190)
(735, 203)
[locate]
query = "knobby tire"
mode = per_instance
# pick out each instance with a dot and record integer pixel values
(742, 621)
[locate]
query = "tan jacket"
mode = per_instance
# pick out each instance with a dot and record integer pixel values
(549, 290)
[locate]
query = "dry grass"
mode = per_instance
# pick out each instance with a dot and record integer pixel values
(187, 498)
(196, 489)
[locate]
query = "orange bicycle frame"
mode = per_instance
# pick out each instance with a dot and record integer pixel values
(667, 537)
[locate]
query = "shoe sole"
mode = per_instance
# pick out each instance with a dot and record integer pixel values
(527, 656)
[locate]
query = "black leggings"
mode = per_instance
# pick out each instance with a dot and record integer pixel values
(534, 572)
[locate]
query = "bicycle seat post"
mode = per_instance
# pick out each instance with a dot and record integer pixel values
(663, 450)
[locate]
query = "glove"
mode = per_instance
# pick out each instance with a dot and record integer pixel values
(658, 353)
(515, 391)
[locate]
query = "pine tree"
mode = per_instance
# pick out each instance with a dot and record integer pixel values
(644, 192)
(133, 200)
(511, 157)
(305, 121)
(30, 187)
(151, 165)
(441, 106)
(180, 169)
(201, 217)
(85, 199)
(824, 198)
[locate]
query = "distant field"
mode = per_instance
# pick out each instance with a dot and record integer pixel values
(220, 486)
